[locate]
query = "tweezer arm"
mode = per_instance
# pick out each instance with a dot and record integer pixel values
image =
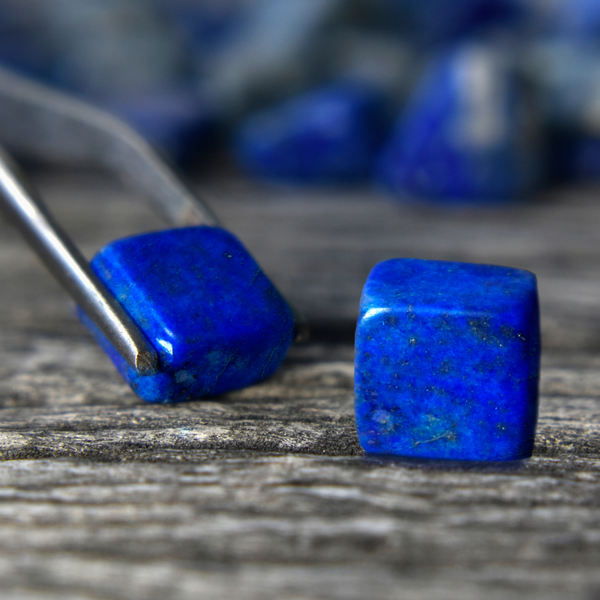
(39, 122)
(21, 206)
(42, 123)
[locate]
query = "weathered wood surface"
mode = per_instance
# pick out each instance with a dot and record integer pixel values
(263, 493)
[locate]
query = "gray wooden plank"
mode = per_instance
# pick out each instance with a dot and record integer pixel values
(263, 493)
(50, 407)
(283, 526)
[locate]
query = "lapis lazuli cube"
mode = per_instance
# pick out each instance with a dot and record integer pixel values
(214, 318)
(447, 361)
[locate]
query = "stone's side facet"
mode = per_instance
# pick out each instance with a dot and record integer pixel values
(330, 135)
(210, 312)
(447, 361)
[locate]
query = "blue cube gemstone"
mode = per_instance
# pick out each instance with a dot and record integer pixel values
(447, 361)
(210, 312)
(327, 136)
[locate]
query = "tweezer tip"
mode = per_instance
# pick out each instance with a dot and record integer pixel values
(146, 363)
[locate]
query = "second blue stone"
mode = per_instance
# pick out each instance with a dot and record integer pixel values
(447, 361)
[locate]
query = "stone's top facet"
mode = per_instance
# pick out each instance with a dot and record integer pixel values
(330, 135)
(446, 286)
(212, 315)
(447, 361)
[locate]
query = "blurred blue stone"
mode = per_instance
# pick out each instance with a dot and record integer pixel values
(447, 361)
(326, 136)
(463, 135)
(214, 318)
(177, 121)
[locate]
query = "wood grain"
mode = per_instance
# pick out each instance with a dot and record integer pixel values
(264, 493)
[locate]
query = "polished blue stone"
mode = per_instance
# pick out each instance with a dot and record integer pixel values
(461, 136)
(327, 136)
(210, 312)
(447, 361)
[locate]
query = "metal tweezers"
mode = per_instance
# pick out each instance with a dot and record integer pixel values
(41, 123)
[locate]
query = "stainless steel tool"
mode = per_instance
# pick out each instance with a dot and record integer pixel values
(41, 123)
